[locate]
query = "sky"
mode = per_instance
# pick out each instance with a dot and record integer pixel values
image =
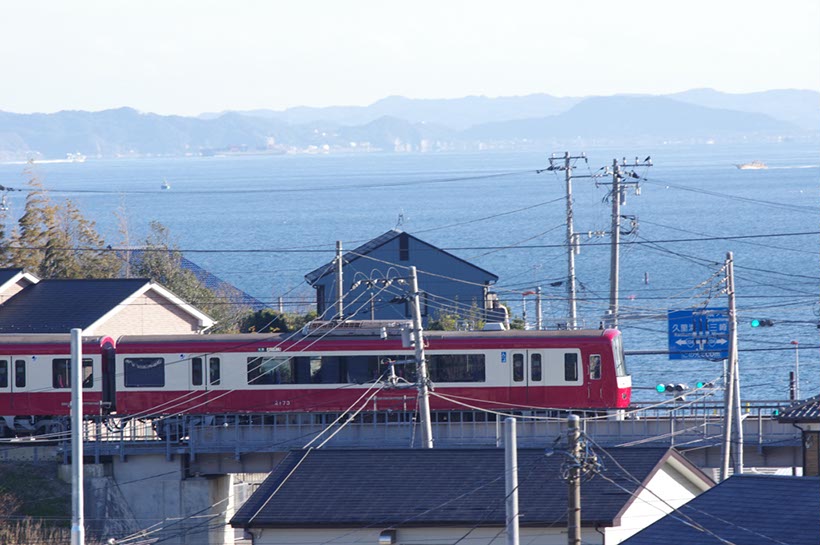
(189, 57)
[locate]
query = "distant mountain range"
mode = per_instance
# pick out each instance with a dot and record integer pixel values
(398, 124)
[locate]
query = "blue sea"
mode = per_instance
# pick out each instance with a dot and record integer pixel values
(263, 222)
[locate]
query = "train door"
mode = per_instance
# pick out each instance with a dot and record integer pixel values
(5, 385)
(595, 386)
(527, 377)
(17, 382)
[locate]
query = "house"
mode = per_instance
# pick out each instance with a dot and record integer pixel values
(805, 415)
(111, 307)
(12, 281)
(411, 496)
(744, 510)
(448, 284)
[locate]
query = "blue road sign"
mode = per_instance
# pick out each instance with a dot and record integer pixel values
(699, 334)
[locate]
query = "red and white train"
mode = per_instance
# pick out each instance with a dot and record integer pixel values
(324, 370)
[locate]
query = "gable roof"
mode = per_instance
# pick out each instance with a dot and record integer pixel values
(328, 268)
(419, 487)
(11, 276)
(57, 306)
(807, 410)
(744, 509)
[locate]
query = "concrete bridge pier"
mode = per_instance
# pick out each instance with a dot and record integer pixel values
(167, 504)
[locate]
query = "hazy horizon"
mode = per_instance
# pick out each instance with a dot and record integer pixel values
(177, 57)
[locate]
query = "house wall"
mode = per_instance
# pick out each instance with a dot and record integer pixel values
(149, 314)
(13, 289)
(647, 508)
(419, 536)
(388, 261)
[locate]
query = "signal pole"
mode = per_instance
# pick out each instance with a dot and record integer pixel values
(732, 422)
(421, 366)
(77, 499)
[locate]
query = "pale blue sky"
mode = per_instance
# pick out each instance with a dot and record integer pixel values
(187, 57)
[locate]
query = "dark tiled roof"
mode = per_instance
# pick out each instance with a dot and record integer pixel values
(803, 411)
(233, 294)
(368, 247)
(56, 306)
(8, 274)
(422, 487)
(747, 510)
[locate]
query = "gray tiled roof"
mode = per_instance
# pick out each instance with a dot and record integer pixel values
(745, 510)
(807, 410)
(369, 246)
(345, 488)
(57, 306)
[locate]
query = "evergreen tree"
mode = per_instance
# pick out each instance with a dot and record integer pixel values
(30, 237)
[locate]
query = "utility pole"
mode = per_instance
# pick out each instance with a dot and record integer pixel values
(572, 240)
(340, 307)
(574, 482)
(618, 196)
(77, 500)
(733, 363)
(511, 479)
(539, 324)
(421, 366)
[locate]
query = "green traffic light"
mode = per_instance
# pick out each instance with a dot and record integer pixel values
(701, 384)
(660, 388)
(755, 323)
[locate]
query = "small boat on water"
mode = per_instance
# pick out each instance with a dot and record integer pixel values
(165, 185)
(753, 165)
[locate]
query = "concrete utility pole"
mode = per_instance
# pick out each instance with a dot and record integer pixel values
(732, 421)
(421, 366)
(340, 307)
(618, 198)
(733, 361)
(77, 500)
(539, 323)
(572, 241)
(574, 482)
(511, 479)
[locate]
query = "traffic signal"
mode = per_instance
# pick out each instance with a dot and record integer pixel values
(676, 389)
(700, 384)
(762, 322)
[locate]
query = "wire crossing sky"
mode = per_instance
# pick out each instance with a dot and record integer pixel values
(183, 57)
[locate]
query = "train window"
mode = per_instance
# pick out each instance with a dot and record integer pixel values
(196, 371)
(214, 372)
(61, 373)
(618, 352)
(595, 366)
(4, 373)
(19, 373)
(535, 367)
(518, 367)
(144, 372)
(326, 370)
(570, 367)
(270, 370)
(456, 367)
(362, 369)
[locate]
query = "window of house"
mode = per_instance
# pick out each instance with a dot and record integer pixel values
(61, 373)
(404, 247)
(570, 367)
(518, 367)
(144, 372)
(595, 366)
(20, 373)
(196, 371)
(535, 367)
(214, 372)
(4, 373)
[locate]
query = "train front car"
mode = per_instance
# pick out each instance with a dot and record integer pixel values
(35, 382)
(561, 370)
